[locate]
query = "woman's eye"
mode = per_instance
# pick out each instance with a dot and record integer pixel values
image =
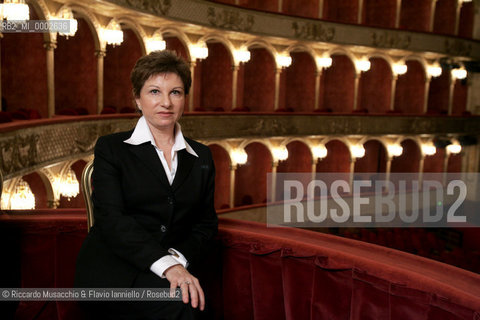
(176, 92)
(154, 91)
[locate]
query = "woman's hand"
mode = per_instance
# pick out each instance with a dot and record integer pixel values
(180, 277)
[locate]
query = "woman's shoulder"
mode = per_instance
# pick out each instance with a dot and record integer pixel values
(113, 140)
(116, 137)
(197, 146)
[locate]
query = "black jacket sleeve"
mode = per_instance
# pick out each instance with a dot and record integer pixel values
(119, 230)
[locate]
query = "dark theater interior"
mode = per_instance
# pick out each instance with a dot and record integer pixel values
(354, 88)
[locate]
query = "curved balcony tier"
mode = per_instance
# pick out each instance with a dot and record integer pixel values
(29, 145)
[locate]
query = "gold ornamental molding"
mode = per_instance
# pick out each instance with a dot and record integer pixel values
(458, 47)
(23, 150)
(157, 7)
(258, 23)
(230, 19)
(43, 143)
(313, 31)
(214, 127)
(391, 40)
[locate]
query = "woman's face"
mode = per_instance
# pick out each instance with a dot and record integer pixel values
(162, 100)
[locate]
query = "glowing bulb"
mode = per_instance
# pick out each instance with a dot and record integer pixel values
(15, 10)
(319, 151)
(395, 150)
(242, 55)
(434, 71)
(66, 14)
(399, 69)
(357, 150)
(155, 43)
(23, 197)
(199, 51)
(239, 156)
(429, 149)
(284, 60)
(454, 148)
(459, 73)
(280, 153)
(4, 200)
(324, 62)
(112, 34)
(69, 187)
(363, 65)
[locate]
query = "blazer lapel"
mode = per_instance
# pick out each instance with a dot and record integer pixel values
(185, 163)
(149, 157)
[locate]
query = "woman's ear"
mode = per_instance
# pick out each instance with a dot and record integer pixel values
(137, 101)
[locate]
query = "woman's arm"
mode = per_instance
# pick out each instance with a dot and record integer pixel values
(121, 232)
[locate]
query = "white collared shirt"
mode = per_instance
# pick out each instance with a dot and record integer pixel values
(142, 134)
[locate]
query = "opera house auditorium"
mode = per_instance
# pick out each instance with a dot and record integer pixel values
(348, 87)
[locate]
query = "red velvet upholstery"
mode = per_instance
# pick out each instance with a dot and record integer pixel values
(298, 274)
(119, 62)
(24, 70)
(379, 13)
(218, 93)
(5, 116)
(256, 272)
(415, 15)
(76, 88)
(42, 250)
(259, 92)
(444, 19)
(67, 112)
(222, 176)
(109, 110)
(467, 13)
(128, 110)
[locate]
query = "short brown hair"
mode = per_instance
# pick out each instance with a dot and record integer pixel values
(159, 62)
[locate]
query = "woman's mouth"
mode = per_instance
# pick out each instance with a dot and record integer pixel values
(165, 114)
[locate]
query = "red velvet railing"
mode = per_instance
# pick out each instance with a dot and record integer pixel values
(298, 274)
(39, 250)
(256, 272)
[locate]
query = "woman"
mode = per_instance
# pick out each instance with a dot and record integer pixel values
(153, 200)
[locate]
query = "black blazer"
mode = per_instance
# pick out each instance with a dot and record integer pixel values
(139, 216)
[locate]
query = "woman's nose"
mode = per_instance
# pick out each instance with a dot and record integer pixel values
(165, 101)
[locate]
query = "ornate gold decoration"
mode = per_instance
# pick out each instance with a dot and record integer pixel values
(50, 45)
(422, 124)
(260, 126)
(86, 138)
(273, 125)
(25, 150)
(313, 31)
(100, 53)
(160, 7)
(1, 183)
(194, 15)
(18, 152)
(458, 47)
(387, 39)
(344, 125)
(28, 149)
(227, 19)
